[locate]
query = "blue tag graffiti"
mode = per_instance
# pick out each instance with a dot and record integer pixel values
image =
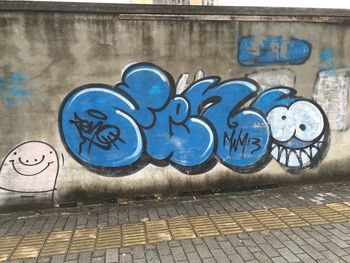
(272, 50)
(13, 91)
(327, 61)
(118, 130)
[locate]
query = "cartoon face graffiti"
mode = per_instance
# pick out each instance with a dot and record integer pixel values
(31, 167)
(299, 132)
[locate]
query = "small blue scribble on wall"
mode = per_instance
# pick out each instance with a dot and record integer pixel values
(142, 119)
(254, 51)
(327, 61)
(13, 89)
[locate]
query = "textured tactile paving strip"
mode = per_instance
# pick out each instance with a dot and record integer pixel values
(158, 231)
(133, 234)
(8, 245)
(83, 240)
(57, 243)
(109, 237)
(29, 247)
(176, 228)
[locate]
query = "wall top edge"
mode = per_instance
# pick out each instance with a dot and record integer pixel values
(135, 9)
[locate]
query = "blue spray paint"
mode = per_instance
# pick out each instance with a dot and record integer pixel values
(13, 90)
(118, 130)
(327, 61)
(272, 50)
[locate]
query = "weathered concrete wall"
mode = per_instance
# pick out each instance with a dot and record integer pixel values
(45, 55)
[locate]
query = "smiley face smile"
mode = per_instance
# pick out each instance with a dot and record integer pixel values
(298, 158)
(31, 165)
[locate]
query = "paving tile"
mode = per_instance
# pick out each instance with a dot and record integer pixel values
(85, 257)
(152, 256)
(209, 260)
(279, 260)
(193, 257)
(312, 252)
(227, 248)
(340, 234)
(305, 258)
(187, 246)
(127, 258)
(178, 253)
(44, 259)
(339, 242)
(331, 256)
(98, 260)
(262, 257)
(269, 250)
(245, 253)
(58, 259)
(138, 252)
(335, 249)
(288, 255)
(167, 259)
(254, 249)
(274, 242)
(99, 253)
(163, 248)
(72, 257)
(203, 251)
(235, 258)
(220, 255)
(211, 243)
(112, 255)
(257, 237)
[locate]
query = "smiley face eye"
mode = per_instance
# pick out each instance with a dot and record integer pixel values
(302, 127)
(309, 122)
(14, 153)
(281, 123)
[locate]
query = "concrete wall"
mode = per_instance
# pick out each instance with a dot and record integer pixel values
(60, 143)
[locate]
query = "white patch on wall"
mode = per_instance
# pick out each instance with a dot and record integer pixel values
(332, 93)
(183, 81)
(273, 78)
(28, 174)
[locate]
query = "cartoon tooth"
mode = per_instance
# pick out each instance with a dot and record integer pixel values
(293, 159)
(28, 174)
(274, 151)
(304, 158)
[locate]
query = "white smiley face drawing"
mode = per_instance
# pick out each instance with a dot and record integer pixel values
(30, 167)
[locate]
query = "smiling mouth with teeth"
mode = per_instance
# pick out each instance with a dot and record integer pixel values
(297, 158)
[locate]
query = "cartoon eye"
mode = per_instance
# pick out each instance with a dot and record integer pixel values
(309, 121)
(281, 123)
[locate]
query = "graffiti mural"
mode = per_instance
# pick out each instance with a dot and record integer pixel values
(142, 119)
(260, 51)
(29, 171)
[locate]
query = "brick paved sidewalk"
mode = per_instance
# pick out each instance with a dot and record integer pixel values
(324, 238)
